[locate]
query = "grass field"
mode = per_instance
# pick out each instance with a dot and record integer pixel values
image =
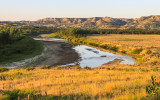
(144, 41)
(123, 82)
(115, 82)
(145, 48)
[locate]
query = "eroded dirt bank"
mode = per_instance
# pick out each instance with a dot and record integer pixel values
(61, 53)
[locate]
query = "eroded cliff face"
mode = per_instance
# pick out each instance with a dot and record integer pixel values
(148, 22)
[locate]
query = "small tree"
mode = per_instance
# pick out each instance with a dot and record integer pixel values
(152, 89)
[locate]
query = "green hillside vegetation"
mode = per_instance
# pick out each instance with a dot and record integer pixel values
(81, 32)
(36, 30)
(14, 46)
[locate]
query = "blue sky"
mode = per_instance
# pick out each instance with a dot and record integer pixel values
(37, 9)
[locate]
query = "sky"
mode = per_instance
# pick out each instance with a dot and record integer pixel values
(16, 10)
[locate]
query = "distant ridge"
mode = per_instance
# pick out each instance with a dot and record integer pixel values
(145, 22)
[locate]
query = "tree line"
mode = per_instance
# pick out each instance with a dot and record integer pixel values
(79, 32)
(10, 35)
(37, 30)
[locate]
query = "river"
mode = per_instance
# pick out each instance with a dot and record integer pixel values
(59, 52)
(92, 57)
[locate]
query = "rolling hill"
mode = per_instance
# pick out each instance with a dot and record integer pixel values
(146, 22)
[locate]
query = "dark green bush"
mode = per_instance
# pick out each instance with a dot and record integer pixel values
(114, 48)
(88, 68)
(45, 67)
(16, 75)
(149, 52)
(76, 66)
(108, 68)
(154, 62)
(93, 44)
(103, 46)
(14, 94)
(137, 51)
(58, 68)
(153, 88)
(144, 70)
(3, 77)
(3, 69)
(123, 51)
(126, 69)
(30, 68)
(155, 69)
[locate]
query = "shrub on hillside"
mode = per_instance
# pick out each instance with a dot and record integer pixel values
(154, 63)
(88, 68)
(123, 51)
(3, 69)
(103, 46)
(114, 48)
(30, 68)
(137, 51)
(153, 89)
(59, 68)
(45, 67)
(155, 69)
(3, 77)
(148, 52)
(17, 94)
(76, 66)
(93, 44)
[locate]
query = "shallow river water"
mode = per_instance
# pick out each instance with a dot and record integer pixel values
(93, 57)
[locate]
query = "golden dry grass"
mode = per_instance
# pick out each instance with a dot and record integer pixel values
(120, 82)
(129, 40)
(107, 83)
(129, 43)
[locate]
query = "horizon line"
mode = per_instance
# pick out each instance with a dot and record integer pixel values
(75, 17)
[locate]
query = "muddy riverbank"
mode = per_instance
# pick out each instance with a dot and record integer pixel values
(62, 53)
(56, 52)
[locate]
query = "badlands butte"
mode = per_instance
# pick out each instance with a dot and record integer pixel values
(147, 22)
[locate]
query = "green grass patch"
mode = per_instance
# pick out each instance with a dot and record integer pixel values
(18, 95)
(20, 50)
